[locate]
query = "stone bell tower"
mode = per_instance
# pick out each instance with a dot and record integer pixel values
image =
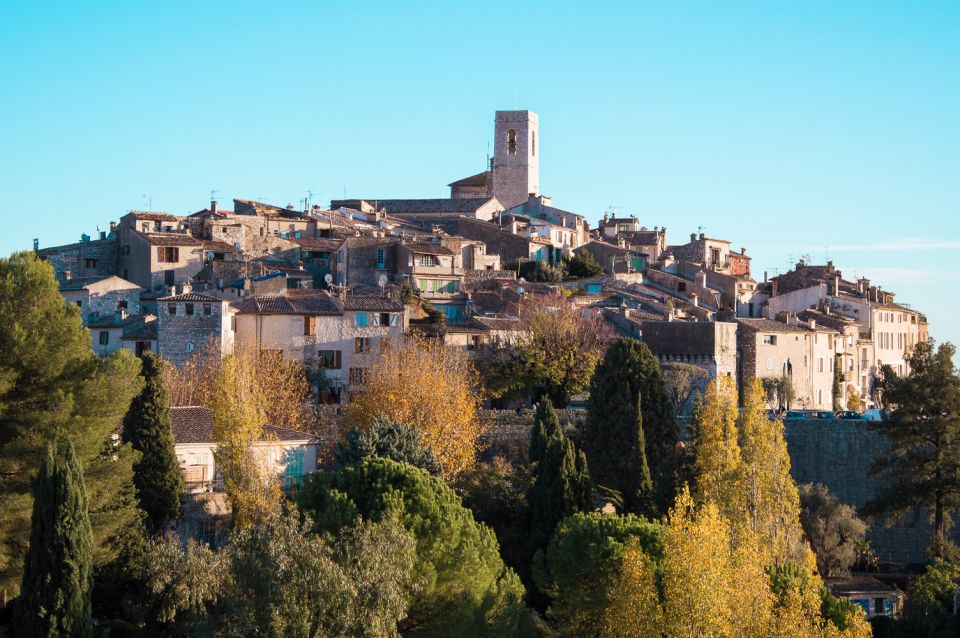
(516, 159)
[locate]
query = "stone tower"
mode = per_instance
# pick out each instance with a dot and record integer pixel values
(516, 159)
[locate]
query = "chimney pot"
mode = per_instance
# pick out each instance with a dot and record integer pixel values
(213, 206)
(693, 237)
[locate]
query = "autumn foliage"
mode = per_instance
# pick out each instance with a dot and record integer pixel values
(281, 382)
(428, 386)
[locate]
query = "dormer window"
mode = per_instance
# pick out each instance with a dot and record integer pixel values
(511, 142)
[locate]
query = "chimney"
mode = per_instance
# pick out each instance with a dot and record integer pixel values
(773, 287)
(103, 234)
(113, 227)
(694, 300)
(693, 237)
(173, 291)
(701, 279)
(813, 324)
(765, 276)
(836, 285)
(213, 206)
(186, 287)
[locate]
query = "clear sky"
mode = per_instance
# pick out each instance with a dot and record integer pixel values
(789, 128)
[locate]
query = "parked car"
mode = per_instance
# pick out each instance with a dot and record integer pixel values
(825, 415)
(850, 415)
(797, 415)
(875, 415)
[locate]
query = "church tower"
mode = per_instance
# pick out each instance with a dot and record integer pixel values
(516, 160)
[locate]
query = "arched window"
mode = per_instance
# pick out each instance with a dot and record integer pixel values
(533, 142)
(511, 142)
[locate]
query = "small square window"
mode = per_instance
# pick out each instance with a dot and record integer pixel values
(207, 309)
(362, 344)
(770, 340)
(172, 309)
(188, 309)
(104, 338)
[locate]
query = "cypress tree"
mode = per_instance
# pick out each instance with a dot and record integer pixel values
(561, 484)
(147, 427)
(58, 569)
(546, 424)
(837, 383)
(630, 436)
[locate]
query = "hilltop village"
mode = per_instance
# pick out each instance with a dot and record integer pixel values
(332, 285)
(607, 399)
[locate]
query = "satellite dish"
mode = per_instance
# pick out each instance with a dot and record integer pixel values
(383, 280)
(209, 254)
(328, 278)
(520, 290)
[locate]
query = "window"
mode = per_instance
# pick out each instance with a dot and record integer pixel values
(375, 319)
(168, 254)
(820, 364)
(329, 359)
(207, 310)
(172, 309)
(769, 363)
(122, 304)
(104, 338)
(362, 344)
(380, 258)
(358, 376)
(293, 474)
(207, 533)
(90, 263)
(770, 340)
(309, 326)
(189, 346)
(79, 304)
(533, 142)
(169, 277)
(188, 309)
(426, 260)
(141, 347)
(362, 319)
(511, 142)
(394, 319)
(145, 228)
(385, 319)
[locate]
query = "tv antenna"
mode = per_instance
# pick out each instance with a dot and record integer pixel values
(213, 195)
(149, 199)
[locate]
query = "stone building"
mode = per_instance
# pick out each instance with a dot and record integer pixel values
(516, 159)
(575, 227)
(191, 321)
(709, 345)
(361, 261)
(712, 254)
(342, 337)
(101, 297)
(435, 273)
(84, 259)
(769, 349)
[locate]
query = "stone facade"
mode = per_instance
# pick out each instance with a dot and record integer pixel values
(708, 345)
(516, 157)
(88, 258)
(190, 322)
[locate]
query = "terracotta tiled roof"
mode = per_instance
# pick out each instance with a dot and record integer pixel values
(413, 206)
(295, 302)
(170, 239)
(769, 325)
(429, 249)
(372, 304)
(327, 245)
(191, 296)
(154, 217)
(480, 179)
(219, 246)
(194, 424)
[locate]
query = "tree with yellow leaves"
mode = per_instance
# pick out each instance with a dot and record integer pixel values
(237, 401)
(718, 465)
(769, 493)
(282, 382)
(432, 388)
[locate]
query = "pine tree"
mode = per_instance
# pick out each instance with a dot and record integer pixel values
(561, 487)
(837, 389)
(50, 381)
(923, 430)
(147, 427)
(57, 577)
(630, 436)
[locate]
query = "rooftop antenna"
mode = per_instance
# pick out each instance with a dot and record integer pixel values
(826, 252)
(700, 230)
(149, 199)
(213, 195)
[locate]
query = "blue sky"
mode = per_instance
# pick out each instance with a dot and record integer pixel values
(789, 128)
